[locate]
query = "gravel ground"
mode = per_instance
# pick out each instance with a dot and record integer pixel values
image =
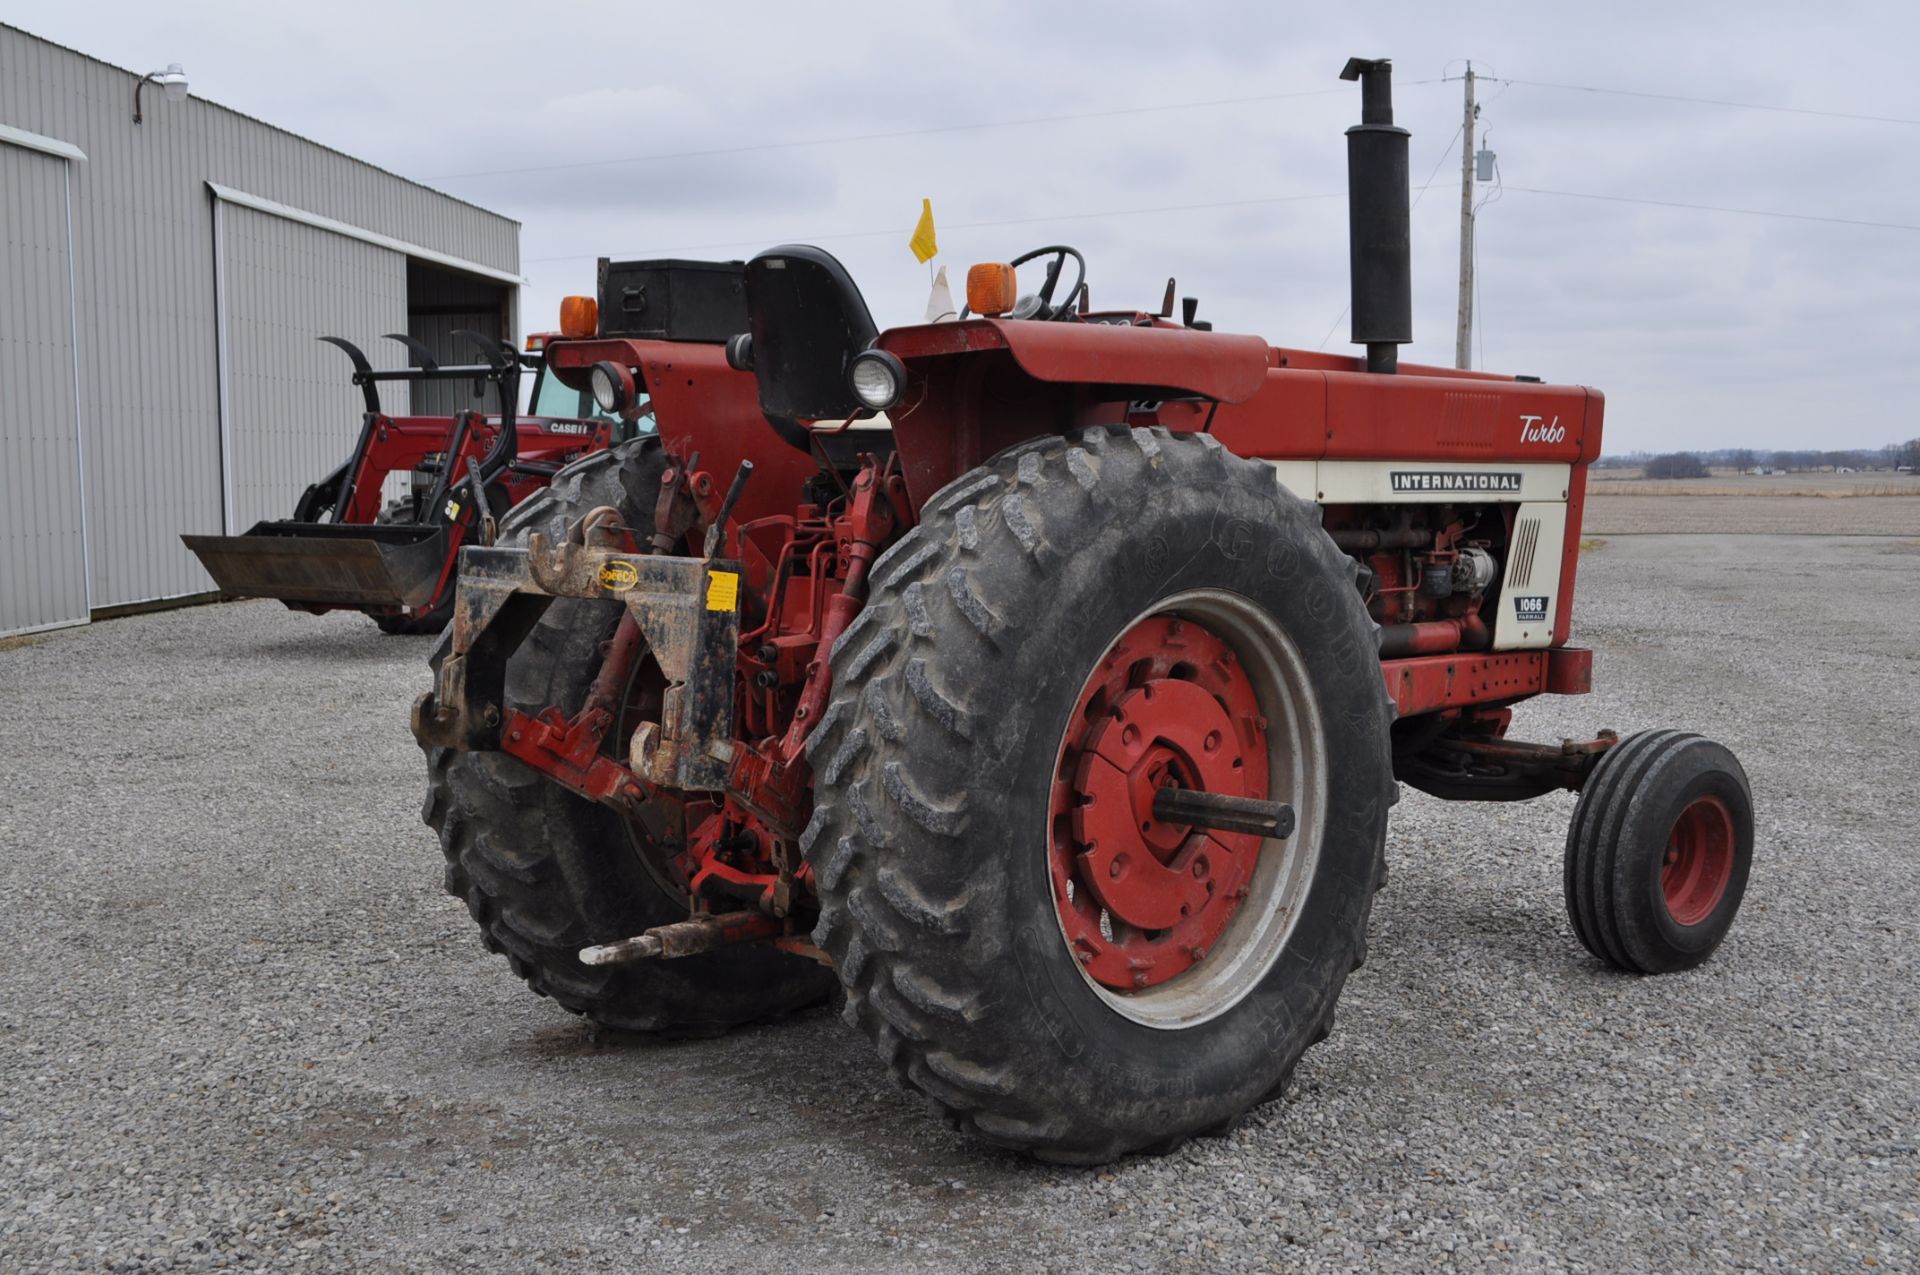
(241, 1027)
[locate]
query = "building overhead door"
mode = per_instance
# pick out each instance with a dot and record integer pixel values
(43, 562)
(291, 412)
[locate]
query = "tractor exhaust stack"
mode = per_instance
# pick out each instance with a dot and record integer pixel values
(1377, 219)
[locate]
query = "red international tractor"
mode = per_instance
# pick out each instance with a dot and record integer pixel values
(1057, 721)
(352, 544)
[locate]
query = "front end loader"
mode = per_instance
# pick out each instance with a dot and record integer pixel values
(1041, 682)
(354, 544)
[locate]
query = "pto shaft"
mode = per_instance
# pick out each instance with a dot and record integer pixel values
(683, 938)
(1227, 814)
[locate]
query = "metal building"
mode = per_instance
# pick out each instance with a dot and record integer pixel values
(162, 288)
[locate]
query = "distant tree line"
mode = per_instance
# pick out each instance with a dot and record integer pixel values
(1676, 465)
(1748, 460)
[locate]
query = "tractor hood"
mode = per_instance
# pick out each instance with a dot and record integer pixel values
(1182, 361)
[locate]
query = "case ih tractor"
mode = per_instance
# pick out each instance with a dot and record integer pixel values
(395, 559)
(1058, 722)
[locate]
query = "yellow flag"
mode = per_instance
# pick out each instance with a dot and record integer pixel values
(922, 243)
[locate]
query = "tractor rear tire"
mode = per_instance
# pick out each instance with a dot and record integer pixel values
(545, 872)
(1044, 597)
(1659, 851)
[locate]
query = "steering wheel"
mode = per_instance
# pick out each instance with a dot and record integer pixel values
(1039, 305)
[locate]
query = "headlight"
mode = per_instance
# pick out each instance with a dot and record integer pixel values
(877, 379)
(740, 352)
(612, 387)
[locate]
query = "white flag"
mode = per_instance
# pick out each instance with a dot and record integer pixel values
(940, 300)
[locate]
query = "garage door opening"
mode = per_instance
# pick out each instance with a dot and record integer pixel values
(441, 302)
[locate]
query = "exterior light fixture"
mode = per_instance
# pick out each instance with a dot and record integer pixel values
(877, 378)
(613, 387)
(173, 80)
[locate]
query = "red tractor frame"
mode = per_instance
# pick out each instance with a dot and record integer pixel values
(1059, 709)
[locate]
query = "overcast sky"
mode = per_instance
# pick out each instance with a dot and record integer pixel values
(1704, 329)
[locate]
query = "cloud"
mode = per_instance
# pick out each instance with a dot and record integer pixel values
(1704, 328)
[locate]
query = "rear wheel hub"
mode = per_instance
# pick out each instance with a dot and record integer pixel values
(1142, 900)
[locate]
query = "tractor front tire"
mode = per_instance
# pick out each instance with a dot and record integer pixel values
(545, 872)
(1076, 623)
(1659, 851)
(403, 624)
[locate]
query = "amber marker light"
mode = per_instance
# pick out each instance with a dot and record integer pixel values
(579, 317)
(990, 288)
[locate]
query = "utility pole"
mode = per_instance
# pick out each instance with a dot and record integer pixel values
(1463, 335)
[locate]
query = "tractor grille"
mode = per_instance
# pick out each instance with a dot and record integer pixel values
(1469, 422)
(1526, 541)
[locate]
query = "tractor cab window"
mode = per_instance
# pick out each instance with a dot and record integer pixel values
(553, 398)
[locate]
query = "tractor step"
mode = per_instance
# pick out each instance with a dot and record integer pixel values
(355, 565)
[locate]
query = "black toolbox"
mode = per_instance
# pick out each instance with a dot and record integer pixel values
(673, 300)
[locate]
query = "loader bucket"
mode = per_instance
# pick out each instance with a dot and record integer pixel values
(351, 565)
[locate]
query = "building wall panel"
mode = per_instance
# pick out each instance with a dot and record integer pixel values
(143, 255)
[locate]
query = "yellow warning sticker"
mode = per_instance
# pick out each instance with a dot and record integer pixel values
(723, 590)
(618, 576)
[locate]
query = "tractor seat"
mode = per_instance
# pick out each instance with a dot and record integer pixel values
(808, 320)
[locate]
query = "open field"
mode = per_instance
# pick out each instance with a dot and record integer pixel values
(1726, 482)
(1621, 502)
(1610, 515)
(240, 1024)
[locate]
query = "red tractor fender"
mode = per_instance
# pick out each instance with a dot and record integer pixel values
(1047, 378)
(702, 406)
(1179, 361)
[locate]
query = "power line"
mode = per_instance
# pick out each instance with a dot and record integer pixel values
(1721, 208)
(756, 147)
(762, 240)
(1713, 101)
(1121, 111)
(1264, 202)
(969, 225)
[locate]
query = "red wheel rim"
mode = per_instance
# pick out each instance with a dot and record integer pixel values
(1698, 862)
(1142, 901)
